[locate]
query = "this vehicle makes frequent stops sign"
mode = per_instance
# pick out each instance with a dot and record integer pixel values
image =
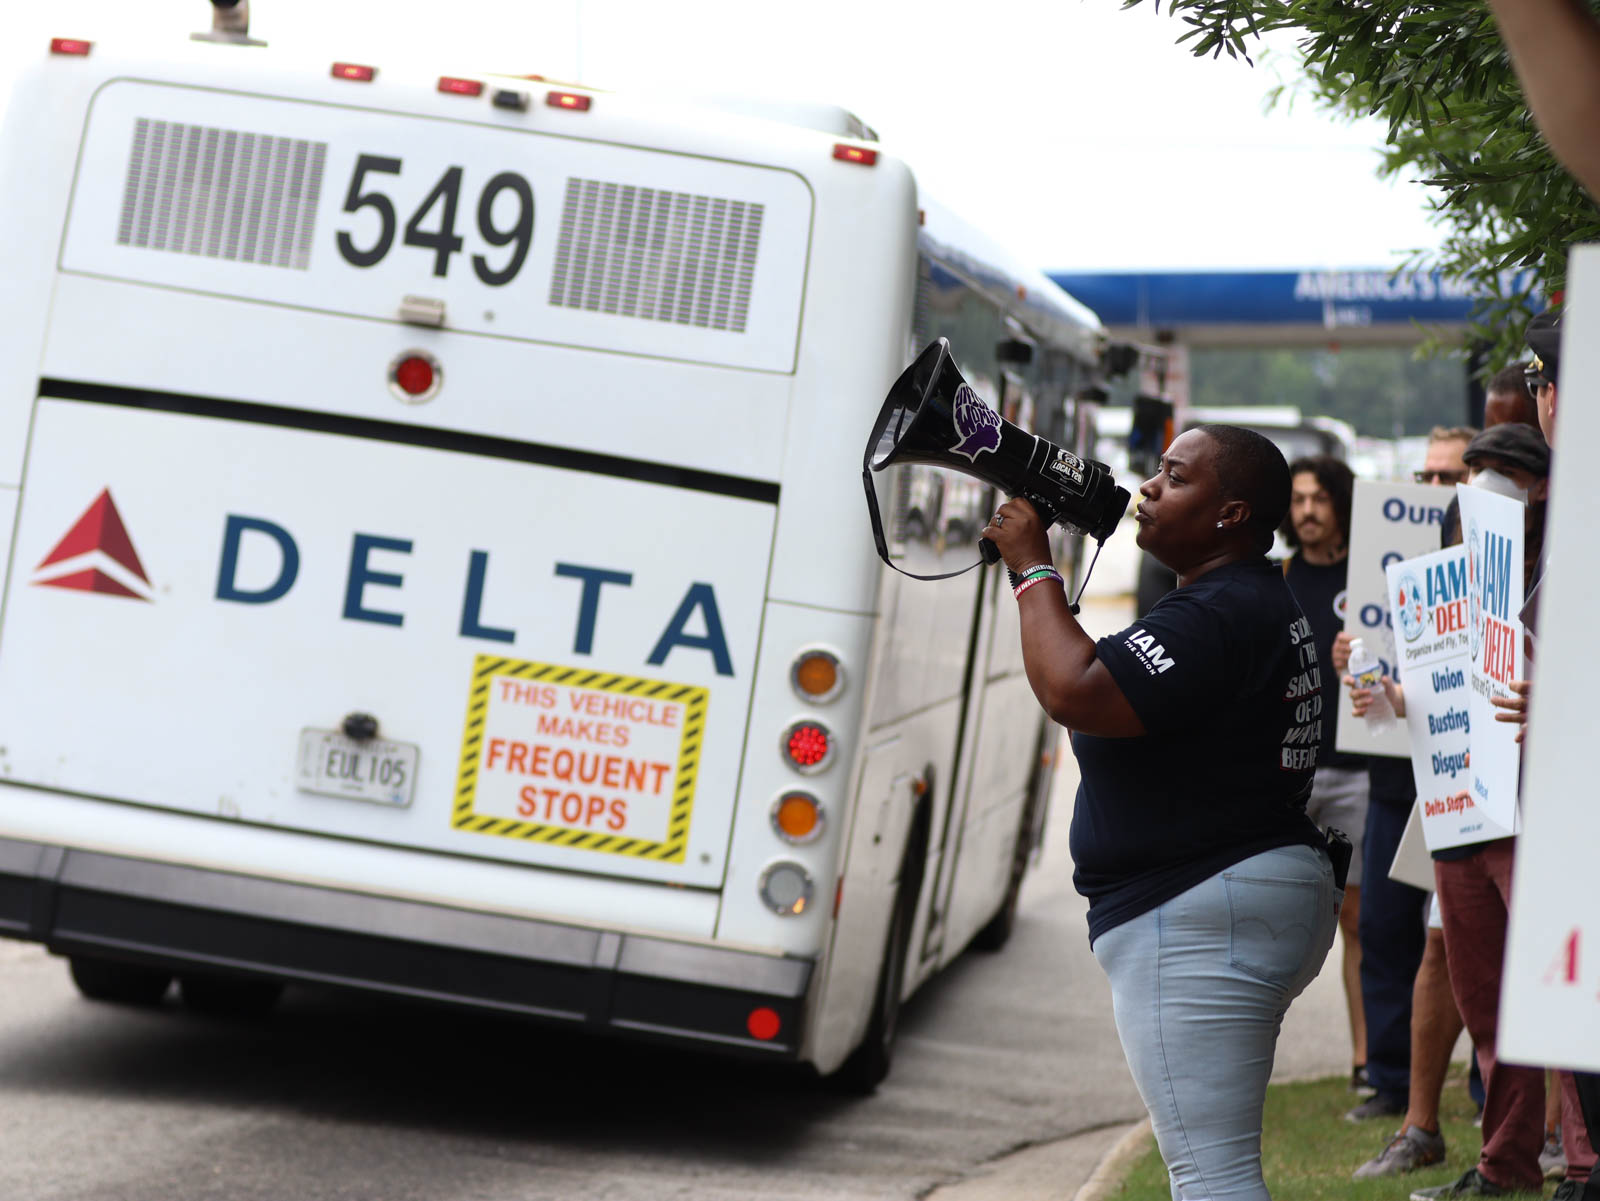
(587, 759)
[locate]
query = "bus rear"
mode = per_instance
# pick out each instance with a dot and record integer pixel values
(394, 472)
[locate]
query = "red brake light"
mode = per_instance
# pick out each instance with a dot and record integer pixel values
(807, 745)
(69, 46)
(846, 153)
(460, 87)
(577, 103)
(354, 71)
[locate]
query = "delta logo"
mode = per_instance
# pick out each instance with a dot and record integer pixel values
(96, 555)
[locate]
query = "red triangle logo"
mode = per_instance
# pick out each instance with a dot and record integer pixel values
(92, 580)
(100, 528)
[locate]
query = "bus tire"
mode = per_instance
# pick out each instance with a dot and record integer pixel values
(118, 983)
(869, 1063)
(229, 996)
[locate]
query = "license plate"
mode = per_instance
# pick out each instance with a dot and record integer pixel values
(376, 770)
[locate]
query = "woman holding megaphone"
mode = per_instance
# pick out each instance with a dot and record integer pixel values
(1212, 897)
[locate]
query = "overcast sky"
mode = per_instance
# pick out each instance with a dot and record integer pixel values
(1080, 133)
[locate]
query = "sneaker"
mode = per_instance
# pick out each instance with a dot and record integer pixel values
(1568, 1190)
(1407, 1151)
(1376, 1107)
(1553, 1159)
(1359, 1083)
(1472, 1183)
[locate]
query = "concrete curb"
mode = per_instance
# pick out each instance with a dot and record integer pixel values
(1113, 1166)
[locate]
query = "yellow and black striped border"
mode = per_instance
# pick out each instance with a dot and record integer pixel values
(671, 849)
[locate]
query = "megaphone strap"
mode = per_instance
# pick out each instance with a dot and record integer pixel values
(877, 529)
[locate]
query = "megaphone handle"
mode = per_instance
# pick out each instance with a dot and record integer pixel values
(988, 550)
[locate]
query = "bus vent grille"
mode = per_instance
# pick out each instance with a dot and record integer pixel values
(221, 193)
(660, 255)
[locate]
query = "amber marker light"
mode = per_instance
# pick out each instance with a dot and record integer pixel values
(816, 675)
(797, 817)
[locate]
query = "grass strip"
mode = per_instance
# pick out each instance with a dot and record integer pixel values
(1308, 1150)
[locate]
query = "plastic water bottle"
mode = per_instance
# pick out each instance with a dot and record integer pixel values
(1368, 673)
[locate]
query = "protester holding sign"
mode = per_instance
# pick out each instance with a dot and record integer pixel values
(1318, 530)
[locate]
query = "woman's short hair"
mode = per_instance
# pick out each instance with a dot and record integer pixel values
(1252, 469)
(1335, 478)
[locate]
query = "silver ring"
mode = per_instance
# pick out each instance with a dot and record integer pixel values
(999, 520)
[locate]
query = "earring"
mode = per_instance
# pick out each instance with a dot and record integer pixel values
(1219, 525)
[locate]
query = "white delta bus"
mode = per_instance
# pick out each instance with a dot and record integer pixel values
(437, 561)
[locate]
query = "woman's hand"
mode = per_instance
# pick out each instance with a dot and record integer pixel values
(1020, 535)
(1514, 708)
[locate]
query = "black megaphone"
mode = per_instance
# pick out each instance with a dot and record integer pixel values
(932, 415)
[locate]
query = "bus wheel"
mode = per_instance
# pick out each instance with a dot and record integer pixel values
(869, 1063)
(230, 996)
(119, 983)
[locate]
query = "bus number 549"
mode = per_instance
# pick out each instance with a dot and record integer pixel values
(442, 239)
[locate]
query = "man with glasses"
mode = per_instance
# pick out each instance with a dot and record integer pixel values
(1443, 463)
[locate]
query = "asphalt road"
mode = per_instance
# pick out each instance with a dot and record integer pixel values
(338, 1096)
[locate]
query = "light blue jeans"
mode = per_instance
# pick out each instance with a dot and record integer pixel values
(1200, 986)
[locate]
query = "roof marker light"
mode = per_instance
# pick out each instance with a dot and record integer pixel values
(572, 100)
(355, 72)
(70, 46)
(460, 87)
(855, 154)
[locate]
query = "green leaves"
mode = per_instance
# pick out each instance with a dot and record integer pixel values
(1457, 121)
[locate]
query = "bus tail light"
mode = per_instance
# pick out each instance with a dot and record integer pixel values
(817, 675)
(572, 100)
(70, 46)
(355, 72)
(808, 745)
(797, 817)
(763, 1023)
(786, 888)
(846, 153)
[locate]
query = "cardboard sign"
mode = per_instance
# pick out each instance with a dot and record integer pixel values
(1388, 523)
(1492, 533)
(1429, 609)
(1550, 1004)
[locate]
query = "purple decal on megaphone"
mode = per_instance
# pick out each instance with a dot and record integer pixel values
(976, 422)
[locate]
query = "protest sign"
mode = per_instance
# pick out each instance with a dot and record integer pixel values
(1550, 1006)
(1388, 522)
(1429, 607)
(1492, 532)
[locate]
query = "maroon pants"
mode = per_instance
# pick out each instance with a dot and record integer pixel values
(1475, 898)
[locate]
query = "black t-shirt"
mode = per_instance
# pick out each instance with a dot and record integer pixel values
(1320, 589)
(1223, 674)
